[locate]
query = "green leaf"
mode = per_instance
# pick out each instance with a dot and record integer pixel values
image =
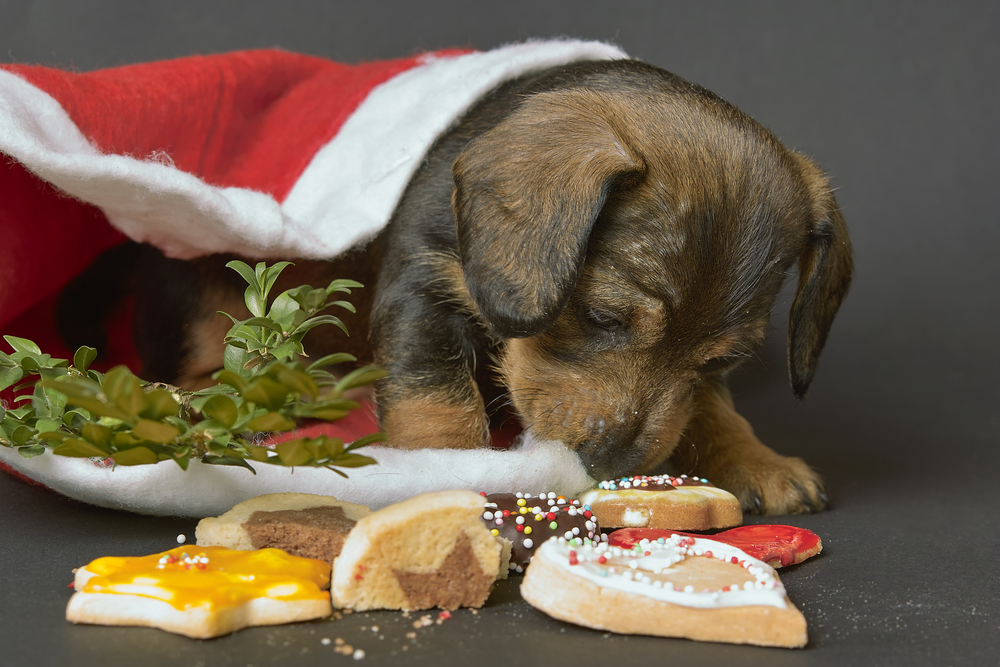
(343, 285)
(353, 461)
(53, 436)
(327, 410)
(136, 456)
(75, 419)
(125, 439)
(316, 321)
(334, 446)
(367, 440)
(83, 357)
(270, 275)
(315, 298)
(47, 425)
(346, 305)
(79, 449)
(297, 381)
(234, 360)
(294, 452)
(272, 421)
(123, 389)
(10, 376)
(233, 379)
(244, 270)
(96, 434)
(360, 378)
(266, 392)
(287, 350)
(227, 461)
(264, 322)
(154, 431)
(31, 451)
(283, 310)
(22, 434)
(261, 454)
(23, 346)
(255, 301)
(222, 409)
(332, 360)
(159, 403)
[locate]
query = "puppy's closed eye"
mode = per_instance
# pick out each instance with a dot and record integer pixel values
(604, 319)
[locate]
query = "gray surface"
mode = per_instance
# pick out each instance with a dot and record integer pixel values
(899, 102)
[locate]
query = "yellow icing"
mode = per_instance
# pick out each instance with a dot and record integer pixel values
(210, 577)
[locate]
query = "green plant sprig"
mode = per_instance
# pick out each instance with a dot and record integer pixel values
(76, 411)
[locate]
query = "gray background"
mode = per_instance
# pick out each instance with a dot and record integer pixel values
(898, 101)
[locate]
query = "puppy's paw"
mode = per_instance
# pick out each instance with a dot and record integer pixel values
(426, 424)
(775, 484)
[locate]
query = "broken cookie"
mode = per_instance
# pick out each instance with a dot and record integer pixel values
(429, 551)
(302, 524)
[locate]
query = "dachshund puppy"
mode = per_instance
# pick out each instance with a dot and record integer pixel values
(597, 246)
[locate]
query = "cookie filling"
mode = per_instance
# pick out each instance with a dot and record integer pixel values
(316, 532)
(459, 582)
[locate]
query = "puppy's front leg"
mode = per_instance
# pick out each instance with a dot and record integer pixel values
(430, 398)
(720, 445)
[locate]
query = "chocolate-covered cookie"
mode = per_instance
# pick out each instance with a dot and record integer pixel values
(526, 521)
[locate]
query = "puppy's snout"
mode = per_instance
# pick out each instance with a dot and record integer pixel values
(611, 449)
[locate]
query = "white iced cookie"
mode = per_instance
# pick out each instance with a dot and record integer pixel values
(663, 501)
(429, 551)
(201, 592)
(679, 587)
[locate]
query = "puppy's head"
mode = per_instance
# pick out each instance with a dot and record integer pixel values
(628, 235)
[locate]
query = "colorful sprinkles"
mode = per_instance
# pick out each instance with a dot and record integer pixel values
(652, 483)
(516, 516)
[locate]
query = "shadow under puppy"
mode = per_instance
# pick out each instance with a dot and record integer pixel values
(596, 245)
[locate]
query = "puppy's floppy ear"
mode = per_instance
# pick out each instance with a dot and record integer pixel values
(825, 268)
(527, 193)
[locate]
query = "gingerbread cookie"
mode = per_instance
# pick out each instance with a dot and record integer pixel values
(429, 551)
(678, 587)
(778, 546)
(201, 592)
(526, 521)
(663, 501)
(302, 524)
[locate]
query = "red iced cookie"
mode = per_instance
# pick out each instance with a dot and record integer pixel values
(777, 546)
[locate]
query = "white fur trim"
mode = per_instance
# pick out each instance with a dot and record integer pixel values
(147, 200)
(344, 196)
(209, 490)
(353, 184)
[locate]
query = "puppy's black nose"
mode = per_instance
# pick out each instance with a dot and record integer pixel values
(615, 453)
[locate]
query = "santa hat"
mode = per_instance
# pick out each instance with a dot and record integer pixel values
(258, 153)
